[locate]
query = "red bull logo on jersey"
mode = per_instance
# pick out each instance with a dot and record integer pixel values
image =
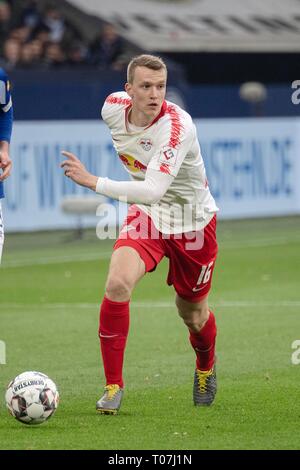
(146, 144)
(132, 164)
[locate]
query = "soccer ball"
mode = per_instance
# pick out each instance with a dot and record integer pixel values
(31, 397)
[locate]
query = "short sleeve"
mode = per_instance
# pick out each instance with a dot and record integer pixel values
(5, 96)
(113, 105)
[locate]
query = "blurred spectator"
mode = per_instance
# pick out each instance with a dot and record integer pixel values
(77, 54)
(108, 48)
(54, 55)
(31, 54)
(31, 15)
(11, 54)
(27, 56)
(30, 39)
(54, 20)
(5, 21)
(60, 30)
(41, 33)
(21, 34)
(37, 48)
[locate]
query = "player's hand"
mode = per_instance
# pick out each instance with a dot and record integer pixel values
(75, 170)
(5, 164)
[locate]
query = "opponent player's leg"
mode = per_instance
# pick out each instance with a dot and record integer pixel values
(202, 328)
(1, 233)
(126, 269)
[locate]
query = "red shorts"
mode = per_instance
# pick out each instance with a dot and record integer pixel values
(191, 255)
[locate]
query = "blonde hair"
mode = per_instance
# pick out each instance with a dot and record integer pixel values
(144, 60)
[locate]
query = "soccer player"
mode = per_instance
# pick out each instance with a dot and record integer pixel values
(173, 214)
(6, 121)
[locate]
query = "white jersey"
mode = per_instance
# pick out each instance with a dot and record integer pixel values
(170, 146)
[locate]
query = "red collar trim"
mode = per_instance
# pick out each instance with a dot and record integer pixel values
(162, 112)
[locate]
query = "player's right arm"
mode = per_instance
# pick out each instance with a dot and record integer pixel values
(172, 145)
(149, 191)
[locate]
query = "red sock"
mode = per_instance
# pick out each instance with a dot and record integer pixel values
(204, 344)
(113, 331)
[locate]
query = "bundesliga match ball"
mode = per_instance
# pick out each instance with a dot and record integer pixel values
(32, 397)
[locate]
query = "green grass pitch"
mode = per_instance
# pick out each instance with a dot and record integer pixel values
(51, 287)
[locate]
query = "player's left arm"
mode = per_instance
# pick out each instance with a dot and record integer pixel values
(6, 123)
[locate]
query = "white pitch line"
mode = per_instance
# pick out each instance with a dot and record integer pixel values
(225, 245)
(156, 304)
(56, 260)
(258, 243)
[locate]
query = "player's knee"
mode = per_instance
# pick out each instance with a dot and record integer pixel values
(193, 324)
(203, 314)
(118, 289)
(195, 319)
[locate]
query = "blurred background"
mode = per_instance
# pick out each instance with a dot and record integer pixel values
(234, 66)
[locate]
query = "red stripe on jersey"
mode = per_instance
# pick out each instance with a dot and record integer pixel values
(176, 126)
(118, 100)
